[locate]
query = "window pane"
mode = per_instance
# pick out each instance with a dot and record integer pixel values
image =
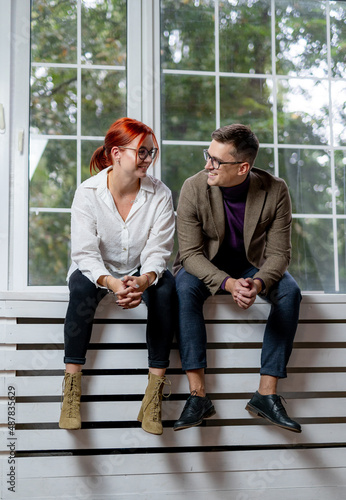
(341, 225)
(49, 248)
(88, 148)
(187, 35)
(71, 102)
(303, 112)
(339, 112)
(337, 38)
(53, 101)
(179, 163)
(52, 172)
(54, 31)
(245, 36)
(312, 263)
(187, 107)
(265, 160)
(340, 181)
(104, 32)
(248, 101)
(307, 173)
(103, 100)
(301, 38)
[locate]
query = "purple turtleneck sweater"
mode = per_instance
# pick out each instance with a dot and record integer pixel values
(231, 256)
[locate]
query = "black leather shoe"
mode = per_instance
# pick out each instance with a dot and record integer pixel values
(195, 410)
(271, 408)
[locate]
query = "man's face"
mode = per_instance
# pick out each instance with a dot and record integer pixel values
(228, 175)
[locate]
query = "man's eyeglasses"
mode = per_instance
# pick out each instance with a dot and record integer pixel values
(216, 163)
(143, 152)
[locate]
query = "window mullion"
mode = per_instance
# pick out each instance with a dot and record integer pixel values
(5, 59)
(20, 105)
(134, 60)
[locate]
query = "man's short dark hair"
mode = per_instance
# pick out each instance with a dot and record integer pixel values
(244, 142)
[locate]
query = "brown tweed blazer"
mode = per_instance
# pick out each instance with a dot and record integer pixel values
(267, 228)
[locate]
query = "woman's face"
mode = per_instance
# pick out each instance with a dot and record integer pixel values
(128, 161)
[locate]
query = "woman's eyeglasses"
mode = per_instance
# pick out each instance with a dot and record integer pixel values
(143, 152)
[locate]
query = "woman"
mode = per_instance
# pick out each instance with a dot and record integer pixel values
(122, 233)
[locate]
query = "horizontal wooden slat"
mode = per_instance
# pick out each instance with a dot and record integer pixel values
(61, 294)
(137, 358)
(202, 436)
(219, 307)
(135, 384)
(107, 309)
(174, 463)
(112, 489)
(135, 333)
(183, 476)
(117, 411)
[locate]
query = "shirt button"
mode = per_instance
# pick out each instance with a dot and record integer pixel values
(124, 248)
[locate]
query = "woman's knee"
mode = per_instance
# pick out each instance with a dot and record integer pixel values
(81, 287)
(165, 289)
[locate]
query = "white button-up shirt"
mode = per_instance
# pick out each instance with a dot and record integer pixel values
(102, 243)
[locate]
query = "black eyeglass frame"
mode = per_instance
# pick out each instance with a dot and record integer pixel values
(216, 163)
(141, 155)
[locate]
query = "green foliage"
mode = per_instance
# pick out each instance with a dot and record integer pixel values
(301, 107)
(54, 181)
(49, 248)
(252, 89)
(245, 37)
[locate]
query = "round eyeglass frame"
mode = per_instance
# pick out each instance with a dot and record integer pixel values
(142, 152)
(216, 163)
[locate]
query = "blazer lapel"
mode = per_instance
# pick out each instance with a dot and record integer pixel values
(217, 213)
(254, 204)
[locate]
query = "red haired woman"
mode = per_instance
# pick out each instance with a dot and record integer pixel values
(122, 231)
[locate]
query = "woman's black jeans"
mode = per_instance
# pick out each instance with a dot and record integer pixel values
(161, 302)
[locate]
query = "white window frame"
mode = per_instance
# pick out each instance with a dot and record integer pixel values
(143, 90)
(5, 124)
(142, 84)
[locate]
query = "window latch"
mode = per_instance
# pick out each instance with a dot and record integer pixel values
(20, 140)
(2, 119)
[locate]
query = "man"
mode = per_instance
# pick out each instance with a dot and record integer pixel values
(234, 227)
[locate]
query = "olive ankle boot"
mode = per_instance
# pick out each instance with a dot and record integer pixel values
(70, 411)
(150, 412)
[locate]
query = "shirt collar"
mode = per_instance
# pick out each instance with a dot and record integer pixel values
(99, 182)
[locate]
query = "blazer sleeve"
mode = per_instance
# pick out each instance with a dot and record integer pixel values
(192, 240)
(277, 253)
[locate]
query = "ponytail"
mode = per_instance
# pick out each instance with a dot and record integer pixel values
(99, 160)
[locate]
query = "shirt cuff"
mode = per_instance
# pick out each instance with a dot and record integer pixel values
(262, 282)
(223, 284)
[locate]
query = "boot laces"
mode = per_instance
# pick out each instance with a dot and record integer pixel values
(155, 404)
(71, 399)
(278, 403)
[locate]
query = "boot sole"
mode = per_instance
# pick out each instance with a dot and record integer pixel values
(258, 413)
(208, 414)
(70, 428)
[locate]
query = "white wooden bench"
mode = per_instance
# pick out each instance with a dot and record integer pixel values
(231, 456)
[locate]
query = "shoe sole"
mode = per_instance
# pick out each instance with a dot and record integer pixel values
(208, 414)
(258, 413)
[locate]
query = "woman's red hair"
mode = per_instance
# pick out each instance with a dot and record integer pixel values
(120, 133)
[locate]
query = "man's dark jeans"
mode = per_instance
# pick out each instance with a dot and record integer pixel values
(284, 297)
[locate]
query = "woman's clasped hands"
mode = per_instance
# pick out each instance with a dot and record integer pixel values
(129, 289)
